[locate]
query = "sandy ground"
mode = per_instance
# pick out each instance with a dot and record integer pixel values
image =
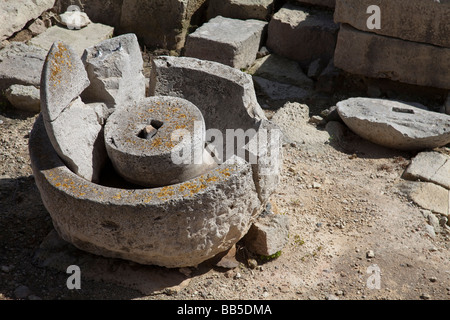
(352, 235)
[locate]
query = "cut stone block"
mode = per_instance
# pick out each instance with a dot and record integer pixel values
(232, 42)
(78, 39)
(114, 68)
(73, 127)
(301, 34)
(25, 98)
(268, 235)
(14, 15)
(15, 59)
(431, 167)
(425, 21)
(395, 124)
(377, 56)
(159, 23)
(322, 3)
(240, 9)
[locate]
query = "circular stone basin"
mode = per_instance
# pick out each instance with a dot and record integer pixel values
(173, 226)
(144, 141)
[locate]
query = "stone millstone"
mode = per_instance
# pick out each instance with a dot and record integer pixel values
(155, 161)
(175, 226)
(72, 126)
(395, 124)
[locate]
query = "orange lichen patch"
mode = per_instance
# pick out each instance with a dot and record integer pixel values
(166, 192)
(60, 60)
(157, 142)
(117, 196)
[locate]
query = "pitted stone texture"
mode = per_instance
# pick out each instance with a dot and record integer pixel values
(114, 69)
(423, 21)
(156, 161)
(395, 124)
(301, 34)
(14, 15)
(430, 166)
(268, 235)
(240, 9)
(377, 56)
(232, 42)
(174, 226)
(226, 97)
(18, 58)
(73, 127)
(78, 39)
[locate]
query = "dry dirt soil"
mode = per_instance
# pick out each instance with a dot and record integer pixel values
(348, 225)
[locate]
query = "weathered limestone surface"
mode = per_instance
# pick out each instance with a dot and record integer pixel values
(302, 34)
(26, 98)
(232, 42)
(430, 166)
(78, 39)
(395, 124)
(425, 21)
(114, 68)
(73, 127)
(268, 235)
(155, 161)
(377, 56)
(18, 57)
(205, 216)
(429, 196)
(240, 9)
(161, 23)
(14, 15)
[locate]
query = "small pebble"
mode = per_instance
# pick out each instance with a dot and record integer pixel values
(5, 269)
(252, 263)
(370, 254)
(238, 276)
(22, 292)
(433, 279)
(425, 296)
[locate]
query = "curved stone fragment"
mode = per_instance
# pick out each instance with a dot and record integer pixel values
(73, 127)
(174, 226)
(395, 124)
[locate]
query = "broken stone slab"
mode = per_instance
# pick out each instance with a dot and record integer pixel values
(173, 226)
(232, 42)
(160, 23)
(424, 21)
(431, 167)
(301, 34)
(79, 39)
(395, 124)
(276, 68)
(378, 56)
(240, 9)
(37, 27)
(16, 58)
(73, 127)
(26, 98)
(115, 70)
(428, 196)
(14, 15)
(268, 235)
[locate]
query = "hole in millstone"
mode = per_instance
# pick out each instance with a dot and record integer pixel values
(150, 130)
(403, 110)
